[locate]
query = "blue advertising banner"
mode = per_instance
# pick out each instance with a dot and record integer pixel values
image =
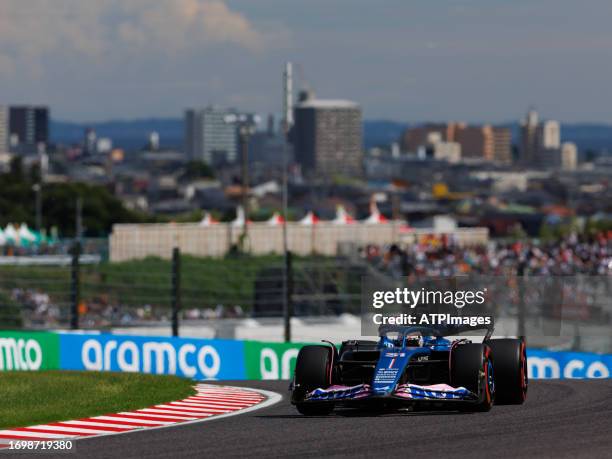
(191, 358)
(228, 359)
(549, 364)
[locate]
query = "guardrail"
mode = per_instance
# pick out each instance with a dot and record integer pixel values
(216, 359)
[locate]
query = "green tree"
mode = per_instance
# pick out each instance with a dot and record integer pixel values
(100, 208)
(16, 168)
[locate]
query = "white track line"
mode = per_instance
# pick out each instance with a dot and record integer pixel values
(208, 405)
(233, 405)
(26, 434)
(191, 409)
(144, 421)
(135, 416)
(179, 415)
(98, 424)
(66, 429)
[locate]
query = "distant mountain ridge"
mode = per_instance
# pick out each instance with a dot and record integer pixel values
(133, 134)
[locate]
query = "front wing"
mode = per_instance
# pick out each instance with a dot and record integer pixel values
(408, 392)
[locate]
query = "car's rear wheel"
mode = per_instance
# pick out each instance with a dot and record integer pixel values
(510, 362)
(471, 367)
(313, 370)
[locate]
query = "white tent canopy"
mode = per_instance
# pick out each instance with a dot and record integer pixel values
(375, 217)
(309, 219)
(342, 217)
(239, 220)
(275, 219)
(208, 220)
(25, 234)
(10, 234)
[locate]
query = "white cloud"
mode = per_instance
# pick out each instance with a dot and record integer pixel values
(36, 32)
(180, 24)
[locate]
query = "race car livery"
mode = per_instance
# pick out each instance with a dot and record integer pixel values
(409, 366)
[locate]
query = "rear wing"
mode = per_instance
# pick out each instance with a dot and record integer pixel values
(433, 330)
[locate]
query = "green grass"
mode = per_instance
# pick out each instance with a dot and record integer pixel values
(30, 398)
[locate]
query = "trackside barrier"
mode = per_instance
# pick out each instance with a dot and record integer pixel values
(191, 358)
(568, 365)
(29, 351)
(217, 359)
(270, 360)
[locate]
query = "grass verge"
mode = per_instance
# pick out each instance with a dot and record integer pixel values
(29, 398)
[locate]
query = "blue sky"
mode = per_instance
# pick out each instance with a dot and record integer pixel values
(400, 59)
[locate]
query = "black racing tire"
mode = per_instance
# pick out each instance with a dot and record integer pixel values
(510, 364)
(313, 371)
(471, 367)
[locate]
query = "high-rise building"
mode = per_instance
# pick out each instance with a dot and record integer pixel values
(549, 135)
(418, 136)
(482, 142)
(4, 128)
(476, 141)
(569, 156)
(502, 145)
(529, 138)
(28, 127)
(327, 137)
(438, 149)
(209, 137)
(540, 141)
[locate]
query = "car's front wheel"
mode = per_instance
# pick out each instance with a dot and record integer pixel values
(472, 367)
(313, 370)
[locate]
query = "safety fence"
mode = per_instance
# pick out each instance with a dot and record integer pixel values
(216, 359)
(183, 288)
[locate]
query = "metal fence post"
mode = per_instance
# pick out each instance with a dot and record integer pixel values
(521, 293)
(176, 290)
(75, 293)
(288, 281)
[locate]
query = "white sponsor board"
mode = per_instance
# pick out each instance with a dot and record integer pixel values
(20, 354)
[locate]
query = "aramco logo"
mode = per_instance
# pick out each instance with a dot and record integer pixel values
(20, 354)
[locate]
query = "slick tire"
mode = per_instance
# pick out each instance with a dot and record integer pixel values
(313, 371)
(472, 367)
(510, 363)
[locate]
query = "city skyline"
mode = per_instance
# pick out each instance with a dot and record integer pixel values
(469, 61)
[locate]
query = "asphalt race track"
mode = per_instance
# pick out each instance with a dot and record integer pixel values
(560, 419)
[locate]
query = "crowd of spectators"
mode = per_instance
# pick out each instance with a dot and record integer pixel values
(37, 306)
(441, 256)
(40, 310)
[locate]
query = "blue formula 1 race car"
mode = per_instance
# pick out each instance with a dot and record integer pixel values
(411, 366)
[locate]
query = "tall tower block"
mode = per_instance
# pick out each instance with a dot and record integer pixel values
(288, 97)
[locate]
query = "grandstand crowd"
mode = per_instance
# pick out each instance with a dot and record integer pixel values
(441, 256)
